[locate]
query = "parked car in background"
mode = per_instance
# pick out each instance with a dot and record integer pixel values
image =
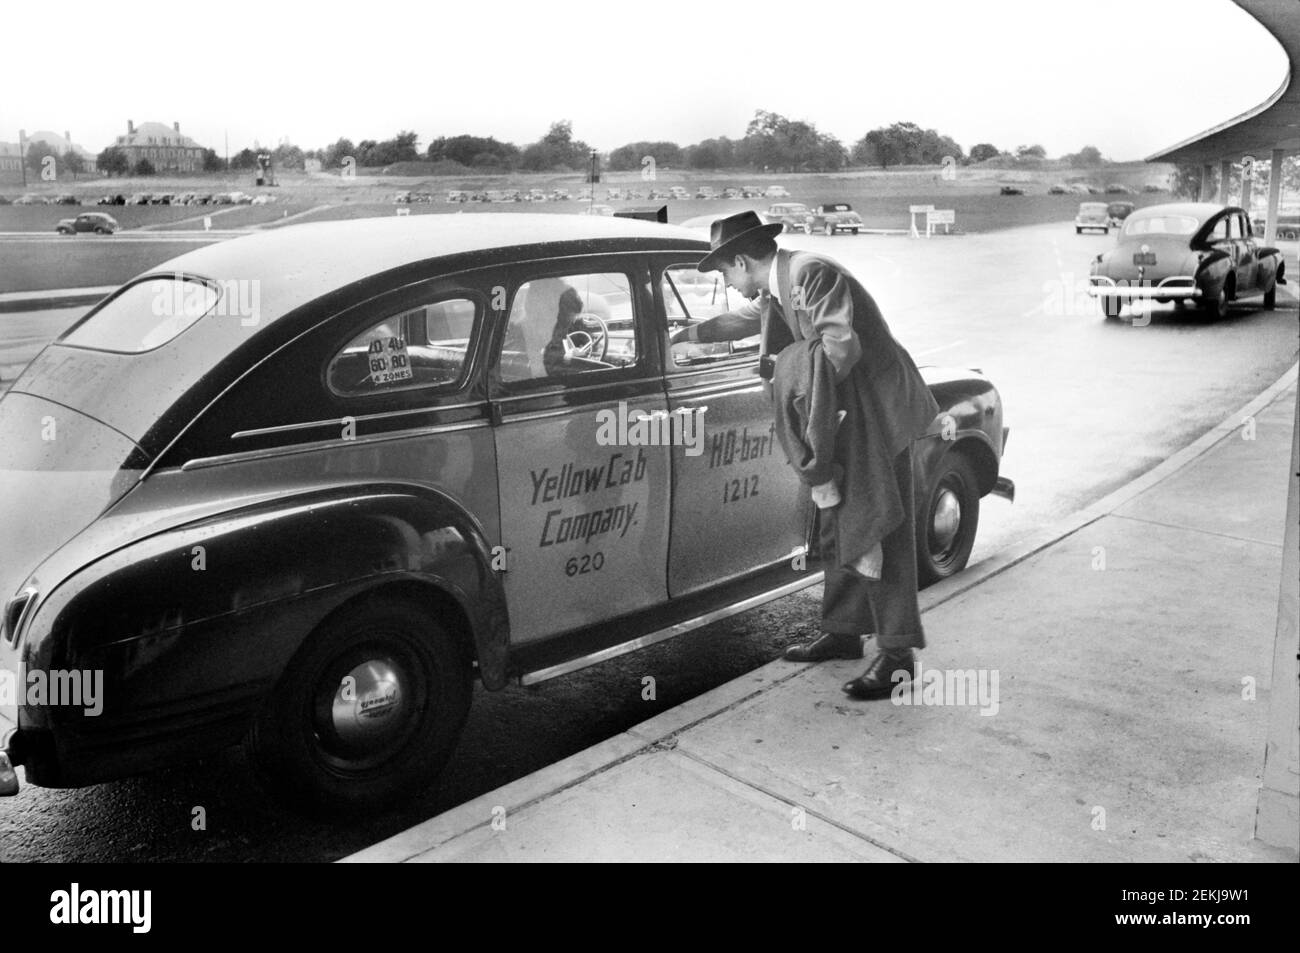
(265, 199)
(118, 199)
(751, 192)
(352, 529)
(793, 215)
(776, 192)
(733, 193)
(66, 198)
(677, 192)
(705, 192)
(1116, 188)
(1090, 217)
(536, 195)
(101, 223)
(1057, 189)
(1151, 187)
(560, 195)
(5, 200)
(1011, 190)
(1116, 212)
(834, 217)
(1287, 230)
(1198, 252)
(31, 198)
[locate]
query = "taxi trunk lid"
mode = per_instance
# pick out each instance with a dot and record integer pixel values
(59, 470)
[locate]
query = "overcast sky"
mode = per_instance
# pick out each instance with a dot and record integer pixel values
(1129, 76)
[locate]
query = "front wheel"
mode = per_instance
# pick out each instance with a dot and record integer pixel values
(946, 520)
(368, 711)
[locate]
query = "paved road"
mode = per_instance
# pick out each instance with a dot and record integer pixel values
(1091, 403)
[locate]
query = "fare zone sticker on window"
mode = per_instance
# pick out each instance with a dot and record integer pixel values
(389, 361)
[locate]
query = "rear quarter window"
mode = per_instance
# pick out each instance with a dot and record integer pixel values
(424, 346)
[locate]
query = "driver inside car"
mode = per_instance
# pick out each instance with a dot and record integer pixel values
(576, 340)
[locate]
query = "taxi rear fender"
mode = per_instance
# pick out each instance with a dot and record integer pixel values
(219, 606)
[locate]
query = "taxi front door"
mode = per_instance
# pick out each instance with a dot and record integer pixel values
(737, 504)
(584, 497)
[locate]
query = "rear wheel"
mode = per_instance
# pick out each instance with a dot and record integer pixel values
(1216, 306)
(947, 519)
(368, 711)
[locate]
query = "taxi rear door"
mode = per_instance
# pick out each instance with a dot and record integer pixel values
(584, 497)
(737, 504)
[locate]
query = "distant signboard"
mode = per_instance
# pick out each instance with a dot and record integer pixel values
(920, 209)
(942, 216)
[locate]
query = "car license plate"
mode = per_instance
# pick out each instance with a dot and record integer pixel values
(1144, 258)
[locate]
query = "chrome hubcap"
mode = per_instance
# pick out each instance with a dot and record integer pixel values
(947, 520)
(370, 706)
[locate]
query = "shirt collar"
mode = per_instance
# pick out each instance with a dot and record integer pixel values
(772, 281)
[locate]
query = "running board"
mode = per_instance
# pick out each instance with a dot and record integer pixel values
(680, 628)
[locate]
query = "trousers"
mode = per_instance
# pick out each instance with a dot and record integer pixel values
(854, 604)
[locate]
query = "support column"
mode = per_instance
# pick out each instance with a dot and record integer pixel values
(1225, 177)
(1207, 182)
(1274, 196)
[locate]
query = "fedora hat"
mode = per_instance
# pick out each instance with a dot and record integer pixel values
(726, 233)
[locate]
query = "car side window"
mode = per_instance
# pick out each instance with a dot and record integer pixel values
(691, 297)
(1219, 232)
(1234, 227)
(569, 324)
(424, 346)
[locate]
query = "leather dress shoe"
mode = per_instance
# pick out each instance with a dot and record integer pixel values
(879, 680)
(829, 645)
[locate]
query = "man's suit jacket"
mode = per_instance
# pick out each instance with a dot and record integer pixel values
(877, 384)
(823, 300)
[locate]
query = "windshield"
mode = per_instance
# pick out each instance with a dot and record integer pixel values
(1161, 225)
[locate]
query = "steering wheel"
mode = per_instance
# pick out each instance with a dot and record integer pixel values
(599, 339)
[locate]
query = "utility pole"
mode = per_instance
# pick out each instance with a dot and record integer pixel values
(22, 154)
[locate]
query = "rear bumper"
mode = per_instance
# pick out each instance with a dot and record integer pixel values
(1102, 287)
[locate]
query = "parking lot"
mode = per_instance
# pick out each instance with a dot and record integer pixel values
(1091, 403)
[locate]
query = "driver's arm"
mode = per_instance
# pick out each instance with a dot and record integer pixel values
(745, 321)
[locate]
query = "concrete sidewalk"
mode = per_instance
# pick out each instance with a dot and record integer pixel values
(1125, 643)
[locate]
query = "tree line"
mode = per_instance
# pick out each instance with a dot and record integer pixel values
(771, 142)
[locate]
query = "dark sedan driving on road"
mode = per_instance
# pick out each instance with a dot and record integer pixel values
(1198, 252)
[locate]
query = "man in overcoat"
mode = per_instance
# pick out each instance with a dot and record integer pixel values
(801, 296)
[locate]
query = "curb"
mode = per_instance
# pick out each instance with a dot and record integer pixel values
(56, 298)
(431, 834)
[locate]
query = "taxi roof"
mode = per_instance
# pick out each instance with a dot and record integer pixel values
(295, 264)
